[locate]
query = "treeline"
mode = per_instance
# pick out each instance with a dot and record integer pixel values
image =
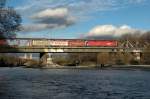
(73, 59)
(93, 59)
(10, 60)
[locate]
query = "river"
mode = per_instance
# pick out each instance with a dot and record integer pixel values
(27, 83)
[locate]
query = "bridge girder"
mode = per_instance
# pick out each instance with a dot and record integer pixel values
(66, 49)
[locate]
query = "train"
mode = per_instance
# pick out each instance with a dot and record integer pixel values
(3, 42)
(74, 43)
(64, 43)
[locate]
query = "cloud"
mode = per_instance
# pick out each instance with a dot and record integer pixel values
(77, 7)
(111, 31)
(49, 14)
(36, 27)
(90, 6)
(59, 12)
(137, 1)
(49, 19)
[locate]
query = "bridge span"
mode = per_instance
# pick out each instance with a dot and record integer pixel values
(24, 46)
(67, 49)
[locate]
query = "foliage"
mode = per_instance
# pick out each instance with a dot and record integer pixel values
(10, 22)
(7, 60)
(61, 61)
(119, 62)
(146, 56)
(102, 58)
(134, 62)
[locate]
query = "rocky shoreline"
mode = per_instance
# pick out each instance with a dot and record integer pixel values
(115, 67)
(119, 67)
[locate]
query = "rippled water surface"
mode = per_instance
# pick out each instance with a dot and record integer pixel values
(23, 83)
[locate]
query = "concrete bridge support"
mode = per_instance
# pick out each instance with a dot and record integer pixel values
(137, 56)
(30, 56)
(46, 58)
(43, 58)
(27, 56)
(49, 59)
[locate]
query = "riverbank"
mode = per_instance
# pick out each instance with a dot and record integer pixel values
(34, 64)
(117, 67)
(145, 67)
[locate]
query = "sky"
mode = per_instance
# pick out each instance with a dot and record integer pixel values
(81, 18)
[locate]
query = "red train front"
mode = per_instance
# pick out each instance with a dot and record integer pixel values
(102, 43)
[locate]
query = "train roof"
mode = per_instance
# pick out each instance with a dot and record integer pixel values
(54, 39)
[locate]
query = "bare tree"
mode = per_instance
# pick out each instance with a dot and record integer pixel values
(2, 3)
(103, 58)
(10, 21)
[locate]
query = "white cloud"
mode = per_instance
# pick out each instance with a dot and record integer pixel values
(58, 12)
(62, 13)
(49, 19)
(111, 30)
(76, 6)
(137, 1)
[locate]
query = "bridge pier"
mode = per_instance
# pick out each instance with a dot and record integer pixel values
(27, 56)
(43, 58)
(30, 56)
(46, 58)
(49, 59)
(137, 55)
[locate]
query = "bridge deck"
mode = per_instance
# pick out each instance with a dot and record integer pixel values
(24, 49)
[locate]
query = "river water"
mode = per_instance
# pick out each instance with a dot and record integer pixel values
(25, 83)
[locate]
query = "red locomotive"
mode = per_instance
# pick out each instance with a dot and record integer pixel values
(102, 43)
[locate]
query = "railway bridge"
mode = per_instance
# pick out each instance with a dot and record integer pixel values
(23, 45)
